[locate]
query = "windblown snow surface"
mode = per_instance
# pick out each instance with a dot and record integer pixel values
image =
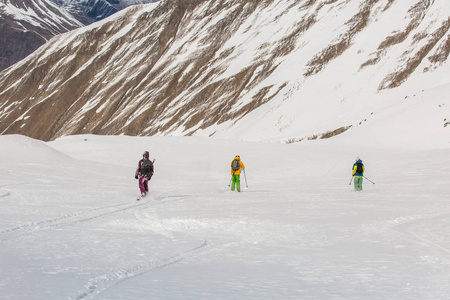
(71, 226)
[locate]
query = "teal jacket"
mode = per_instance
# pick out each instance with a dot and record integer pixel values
(354, 173)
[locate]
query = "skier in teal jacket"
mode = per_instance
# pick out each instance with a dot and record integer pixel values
(357, 172)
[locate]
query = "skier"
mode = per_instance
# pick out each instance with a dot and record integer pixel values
(357, 172)
(236, 166)
(144, 172)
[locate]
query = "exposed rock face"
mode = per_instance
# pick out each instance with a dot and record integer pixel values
(89, 11)
(189, 66)
(16, 44)
(25, 25)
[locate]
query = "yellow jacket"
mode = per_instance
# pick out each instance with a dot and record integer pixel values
(355, 166)
(241, 166)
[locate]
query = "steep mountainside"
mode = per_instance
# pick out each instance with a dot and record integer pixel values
(27, 24)
(273, 70)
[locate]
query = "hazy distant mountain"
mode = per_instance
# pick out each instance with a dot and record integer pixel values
(273, 70)
(27, 24)
(89, 11)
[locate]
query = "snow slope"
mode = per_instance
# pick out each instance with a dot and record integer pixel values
(71, 228)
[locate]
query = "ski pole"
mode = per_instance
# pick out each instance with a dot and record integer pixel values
(350, 181)
(368, 179)
(230, 181)
(245, 176)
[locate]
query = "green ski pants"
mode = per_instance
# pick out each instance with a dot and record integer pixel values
(358, 183)
(236, 181)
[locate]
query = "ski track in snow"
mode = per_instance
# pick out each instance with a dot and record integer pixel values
(65, 220)
(3, 195)
(103, 283)
(100, 284)
(407, 227)
(80, 217)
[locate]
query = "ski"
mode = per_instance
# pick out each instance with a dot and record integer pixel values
(139, 197)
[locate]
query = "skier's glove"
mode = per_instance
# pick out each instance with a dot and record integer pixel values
(135, 176)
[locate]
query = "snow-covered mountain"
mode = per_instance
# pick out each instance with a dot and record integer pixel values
(255, 70)
(89, 11)
(25, 25)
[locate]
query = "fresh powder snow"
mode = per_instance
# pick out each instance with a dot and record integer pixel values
(71, 226)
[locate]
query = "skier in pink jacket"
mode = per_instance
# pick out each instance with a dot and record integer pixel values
(144, 172)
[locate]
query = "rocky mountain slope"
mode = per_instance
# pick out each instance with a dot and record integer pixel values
(25, 25)
(264, 70)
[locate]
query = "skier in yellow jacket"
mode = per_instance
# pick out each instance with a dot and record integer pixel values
(236, 166)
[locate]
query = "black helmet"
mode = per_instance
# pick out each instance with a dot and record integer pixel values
(146, 154)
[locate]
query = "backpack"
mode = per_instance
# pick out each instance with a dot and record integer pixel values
(359, 168)
(146, 167)
(235, 165)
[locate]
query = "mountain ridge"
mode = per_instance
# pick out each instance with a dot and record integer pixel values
(214, 68)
